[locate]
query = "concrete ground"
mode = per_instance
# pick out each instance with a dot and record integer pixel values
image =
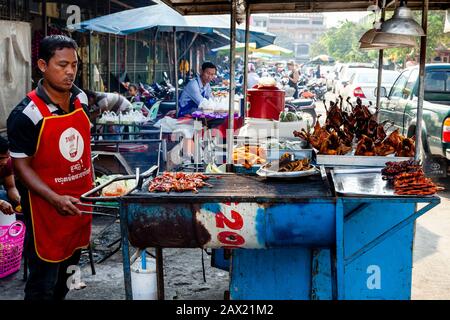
(431, 275)
(183, 267)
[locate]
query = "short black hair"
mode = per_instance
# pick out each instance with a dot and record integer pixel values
(208, 65)
(133, 86)
(90, 94)
(50, 44)
(4, 145)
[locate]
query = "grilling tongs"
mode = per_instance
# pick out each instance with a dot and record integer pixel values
(87, 197)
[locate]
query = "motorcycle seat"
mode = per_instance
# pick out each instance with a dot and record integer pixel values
(166, 106)
(303, 103)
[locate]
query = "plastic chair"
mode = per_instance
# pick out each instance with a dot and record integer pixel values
(154, 110)
(137, 105)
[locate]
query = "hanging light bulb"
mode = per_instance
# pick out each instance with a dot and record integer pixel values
(402, 22)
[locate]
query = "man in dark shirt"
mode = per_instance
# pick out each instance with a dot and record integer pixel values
(9, 197)
(49, 135)
(25, 121)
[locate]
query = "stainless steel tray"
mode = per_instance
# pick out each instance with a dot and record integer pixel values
(361, 182)
(355, 161)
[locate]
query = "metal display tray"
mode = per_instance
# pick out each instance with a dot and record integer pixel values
(355, 161)
(363, 182)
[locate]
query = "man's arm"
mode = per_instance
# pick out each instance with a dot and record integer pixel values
(208, 91)
(10, 186)
(62, 203)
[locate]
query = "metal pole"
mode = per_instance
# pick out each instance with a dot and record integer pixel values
(247, 39)
(134, 65)
(90, 86)
(232, 83)
(125, 253)
(160, 273)
(109, 53)
(175, 59)
(380, 63)
(423, 55)
(116, 58)
(155, 52)
(44, 17)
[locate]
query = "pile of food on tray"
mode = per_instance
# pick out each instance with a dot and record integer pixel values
(343, 128)
(178, 182)
(249, 156)
(408, 178)
(287, 164)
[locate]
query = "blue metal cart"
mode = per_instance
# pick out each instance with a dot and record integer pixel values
(290, 239)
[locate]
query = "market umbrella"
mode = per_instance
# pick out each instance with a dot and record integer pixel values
(260, 56)
(275, 51)
(321, 59)
(240, 47)
(272, 50)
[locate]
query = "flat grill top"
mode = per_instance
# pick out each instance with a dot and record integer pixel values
(240, 188)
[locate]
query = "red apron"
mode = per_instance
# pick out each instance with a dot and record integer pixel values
(63, 161)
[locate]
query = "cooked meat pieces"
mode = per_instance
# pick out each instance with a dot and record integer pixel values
(178, 182)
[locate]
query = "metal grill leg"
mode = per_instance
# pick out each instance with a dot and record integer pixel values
(91, 260)
(160, 273)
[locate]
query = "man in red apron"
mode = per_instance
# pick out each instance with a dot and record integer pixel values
(49, 133)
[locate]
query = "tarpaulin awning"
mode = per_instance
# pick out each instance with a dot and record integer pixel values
(165, 19)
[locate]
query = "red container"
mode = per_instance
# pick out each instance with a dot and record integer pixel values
(265, 102)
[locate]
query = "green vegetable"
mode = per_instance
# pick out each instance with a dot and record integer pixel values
(289, 117)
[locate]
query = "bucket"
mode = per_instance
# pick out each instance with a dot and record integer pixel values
(266, 103)
(7, 219)
(143, 281)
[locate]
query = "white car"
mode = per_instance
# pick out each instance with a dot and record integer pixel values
(346, 73)
(363, 83)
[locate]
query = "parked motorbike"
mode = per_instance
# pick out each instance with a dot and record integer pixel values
(319, 89)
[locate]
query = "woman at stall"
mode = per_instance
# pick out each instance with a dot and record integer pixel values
(293, 77)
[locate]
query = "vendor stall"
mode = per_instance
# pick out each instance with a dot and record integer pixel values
(335, 221)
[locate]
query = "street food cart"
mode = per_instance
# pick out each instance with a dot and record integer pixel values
(291, 239)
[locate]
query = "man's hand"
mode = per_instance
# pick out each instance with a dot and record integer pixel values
(65, 205)
(6, 207)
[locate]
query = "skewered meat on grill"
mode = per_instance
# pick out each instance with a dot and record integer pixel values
(408, 178)
(178, 181)
(413, 183)
(392, 169)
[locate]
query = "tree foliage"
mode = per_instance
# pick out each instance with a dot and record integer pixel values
(342, 42)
